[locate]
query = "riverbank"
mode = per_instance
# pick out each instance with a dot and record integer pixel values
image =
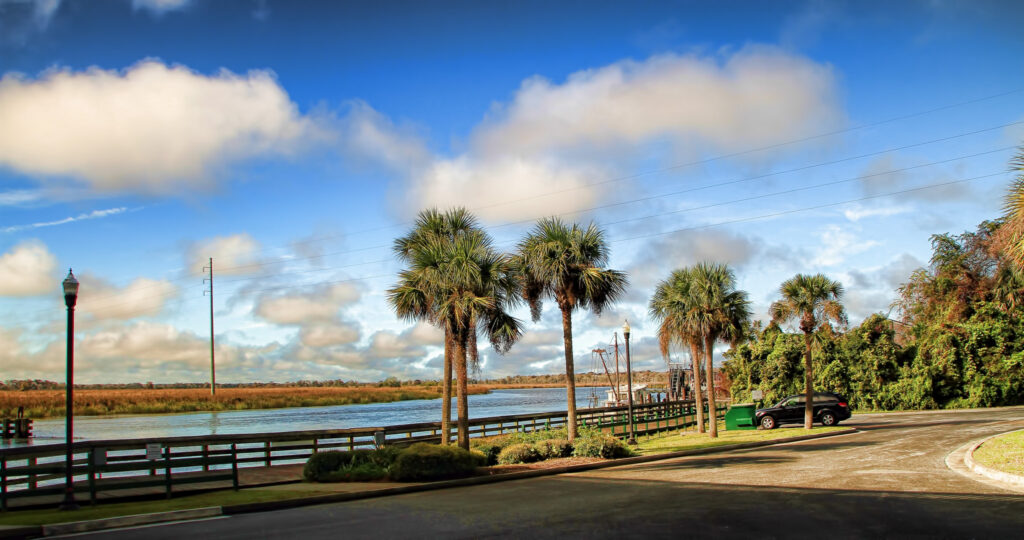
(42, 404)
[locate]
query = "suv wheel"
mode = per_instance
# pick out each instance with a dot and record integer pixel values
(828, 418)
(768, 422)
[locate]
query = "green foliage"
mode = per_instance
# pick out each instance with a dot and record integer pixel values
(519, 453)
(960, 342)
(553, 448)
(592, 442)
(425, 462)
(354, 466)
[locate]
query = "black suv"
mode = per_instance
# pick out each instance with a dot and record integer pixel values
(829, 409)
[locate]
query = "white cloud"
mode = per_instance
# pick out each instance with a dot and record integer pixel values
(859, 212)
(28, 270)
(547, 150)
(838, 244)
(159, 7)
(152, 128)
(488, 185)
(328, 334)
(139, 298)
(232, 255)
(320, 304)
(95, 214)
(758, 95)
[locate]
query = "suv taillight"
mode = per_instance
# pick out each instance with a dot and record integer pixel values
(842, 404)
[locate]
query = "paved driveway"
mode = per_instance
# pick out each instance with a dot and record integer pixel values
(888, 481)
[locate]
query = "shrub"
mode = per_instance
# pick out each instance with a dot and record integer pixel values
(553, 448)
(491, 446)
(519, 453)
(479, 458)
(599, 445)
(423, 461)
(537, 436)
(354, 466)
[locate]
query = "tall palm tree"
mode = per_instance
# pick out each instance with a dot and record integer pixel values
(456, 280)
(719, 313)
(815, 300)
(1011, 234)
(670, 305)
(567, 263)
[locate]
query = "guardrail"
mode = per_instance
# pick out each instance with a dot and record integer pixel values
(130, 463)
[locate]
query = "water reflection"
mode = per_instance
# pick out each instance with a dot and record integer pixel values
(496, 403)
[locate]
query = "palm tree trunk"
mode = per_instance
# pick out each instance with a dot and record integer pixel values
(446, 390)
(698, 397)
(570, 373)
(809, 380)
(463, 390)
(709, 370)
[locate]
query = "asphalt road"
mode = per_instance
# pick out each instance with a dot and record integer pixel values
(888, 481)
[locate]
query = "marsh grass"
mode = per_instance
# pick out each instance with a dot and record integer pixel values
(50, 403)
(1003, 453)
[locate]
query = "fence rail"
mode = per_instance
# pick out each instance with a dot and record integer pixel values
(129, 463)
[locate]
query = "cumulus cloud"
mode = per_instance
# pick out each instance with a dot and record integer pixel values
(319, 304)
(554, 143)
(756, 96)
(328, 334)
(537, 186)
(28, 269)
(101, 300)
(368, 134)
(232, 255)
(152, 127)
(838, 244)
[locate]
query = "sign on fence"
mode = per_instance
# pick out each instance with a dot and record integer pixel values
(153, 451)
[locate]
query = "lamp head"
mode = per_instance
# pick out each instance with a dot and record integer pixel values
(625, 329)
(70, 289)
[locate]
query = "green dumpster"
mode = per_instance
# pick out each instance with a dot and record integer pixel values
(741, 416)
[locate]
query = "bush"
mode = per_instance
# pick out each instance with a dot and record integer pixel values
(519, 453)
(537, 436)
(423, 461)
(600, 445)
(354, 466)
(479, 458)
(491, 447)
(553, 448)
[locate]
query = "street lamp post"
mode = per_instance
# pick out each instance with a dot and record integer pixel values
(629, 390)
(70, 299)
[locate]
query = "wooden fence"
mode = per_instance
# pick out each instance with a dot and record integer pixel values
(164, 461)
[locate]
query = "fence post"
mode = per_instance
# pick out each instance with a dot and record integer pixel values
(3, 483)
(167, 470)
(266, 453)
(206, 457)
(234, 466)
(32, 478)
(92, 475)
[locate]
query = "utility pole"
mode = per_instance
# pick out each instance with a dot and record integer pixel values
(213, 371)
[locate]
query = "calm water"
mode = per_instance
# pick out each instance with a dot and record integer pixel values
(497, 403)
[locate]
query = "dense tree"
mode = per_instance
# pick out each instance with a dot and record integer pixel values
(567, 263)
(459, 282)
(815, 301)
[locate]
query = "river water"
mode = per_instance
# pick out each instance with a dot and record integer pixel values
(496, 403)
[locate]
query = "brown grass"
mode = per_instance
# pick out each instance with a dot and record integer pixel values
(50, 403)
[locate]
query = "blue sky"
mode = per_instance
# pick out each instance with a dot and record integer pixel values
(293, 141)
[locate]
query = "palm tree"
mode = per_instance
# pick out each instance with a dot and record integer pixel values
(699, 306)
(456, 280)
(567, 262)
(815, 300)
(671, 306)
(719, 313)
(1011, 234)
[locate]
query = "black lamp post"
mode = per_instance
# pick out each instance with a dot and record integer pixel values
(70, 298)
(629, 390)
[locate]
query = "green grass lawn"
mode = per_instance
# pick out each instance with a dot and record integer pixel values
(1004, 453)
(691, 440)
(184, 502)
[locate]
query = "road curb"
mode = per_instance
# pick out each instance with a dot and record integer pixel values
(988, 472)
(129, 521)
(17, 531)
(508, 477)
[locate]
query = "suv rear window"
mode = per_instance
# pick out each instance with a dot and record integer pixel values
(825, 399)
